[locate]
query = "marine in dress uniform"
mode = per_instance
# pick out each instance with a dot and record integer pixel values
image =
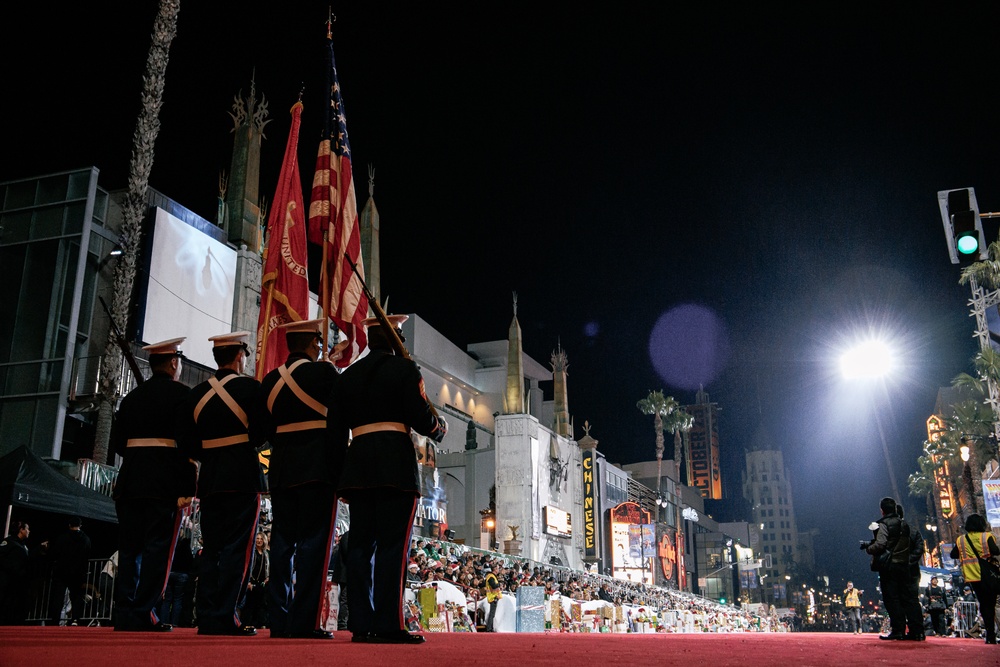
(379, 399)
(221, 427)
(302, 476)
(154, 482)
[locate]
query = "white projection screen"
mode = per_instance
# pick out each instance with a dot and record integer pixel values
(191, 284)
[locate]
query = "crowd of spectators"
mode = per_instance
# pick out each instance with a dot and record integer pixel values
(431, 561)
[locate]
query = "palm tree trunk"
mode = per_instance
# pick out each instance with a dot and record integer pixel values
(658, 425)
(134, 208)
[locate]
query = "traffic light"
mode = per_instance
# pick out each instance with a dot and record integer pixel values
(963, 227)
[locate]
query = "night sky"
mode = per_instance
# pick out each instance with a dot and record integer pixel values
(749, 188)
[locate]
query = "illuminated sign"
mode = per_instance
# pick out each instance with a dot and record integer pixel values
(942, 475)
(704, 472)
(589, 505)
(632, 543)
(558, 522)
(690, 513)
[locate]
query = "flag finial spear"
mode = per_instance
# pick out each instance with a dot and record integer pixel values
(330, 18)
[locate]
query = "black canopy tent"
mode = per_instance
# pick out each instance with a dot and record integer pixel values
(27, 481)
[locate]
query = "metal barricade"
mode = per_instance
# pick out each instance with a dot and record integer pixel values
(965, 616)
(98, 598)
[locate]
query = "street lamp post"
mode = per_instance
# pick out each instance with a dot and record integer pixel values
(966, 453)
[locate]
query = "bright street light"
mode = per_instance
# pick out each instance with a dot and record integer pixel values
(872, 359)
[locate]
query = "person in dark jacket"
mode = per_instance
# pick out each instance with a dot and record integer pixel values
(377, 400)
(890, 550)
(254, 610)
(221, 427)
(938, 602)
(14, 557)
(302, 477)
(154, 483)
(69, 553)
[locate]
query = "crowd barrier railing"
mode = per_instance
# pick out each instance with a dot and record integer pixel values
(98, 598)
(965, 615)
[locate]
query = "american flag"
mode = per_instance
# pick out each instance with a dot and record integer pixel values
(333, 223)
(284, 287)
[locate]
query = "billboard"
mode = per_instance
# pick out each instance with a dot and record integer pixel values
(191, 283)
(704, 467)
(558, 522)
(633, 543)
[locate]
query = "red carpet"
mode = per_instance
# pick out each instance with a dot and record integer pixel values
(36, 646)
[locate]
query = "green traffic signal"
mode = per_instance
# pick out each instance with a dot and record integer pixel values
(966, 234)
(968, 244)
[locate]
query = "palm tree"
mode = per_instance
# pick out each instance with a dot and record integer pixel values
(133, 210)
(659, 406)
(971, 423)
(938, 456)
(679, 423)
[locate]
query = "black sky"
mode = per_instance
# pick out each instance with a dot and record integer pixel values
(777, 168)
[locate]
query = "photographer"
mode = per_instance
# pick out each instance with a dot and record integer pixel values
(890, 551)
(852, 603)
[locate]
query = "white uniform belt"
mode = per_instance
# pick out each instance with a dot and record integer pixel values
(225, 442)
(151, 442)
(379, 426)
(301, 426)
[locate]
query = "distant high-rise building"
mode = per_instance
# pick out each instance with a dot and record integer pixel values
(704, 469)
(768, 490)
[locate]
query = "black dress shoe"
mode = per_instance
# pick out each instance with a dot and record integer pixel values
(401, 637)
(892, 635)
(991, 641)
(312, 634)
(916, 638)
(362, 638)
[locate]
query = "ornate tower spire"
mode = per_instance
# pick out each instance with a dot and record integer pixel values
(370, 241)
(560, 417)
(514, 397)
(242, 191)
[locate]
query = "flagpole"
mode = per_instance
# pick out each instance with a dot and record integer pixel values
(325, 298)
(267, 334)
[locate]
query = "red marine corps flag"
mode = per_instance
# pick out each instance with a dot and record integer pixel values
(333, 223)
(284, 287)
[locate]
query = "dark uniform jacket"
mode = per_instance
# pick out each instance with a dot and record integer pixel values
(298, 457)
(892, 535)
(13, 560)
(380, 387)
(150, 411)
(233, 467)
(69, 553)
